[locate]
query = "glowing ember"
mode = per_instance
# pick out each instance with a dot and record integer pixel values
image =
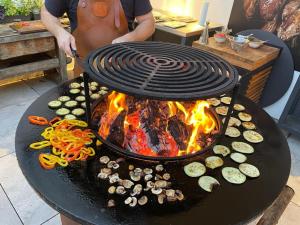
(156, 128)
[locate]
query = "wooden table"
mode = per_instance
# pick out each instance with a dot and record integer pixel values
(254, 65)
(27, 53)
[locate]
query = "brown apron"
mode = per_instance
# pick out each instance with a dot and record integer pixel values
(99, 23)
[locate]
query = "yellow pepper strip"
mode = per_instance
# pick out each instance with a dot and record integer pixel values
(56, 151)
(47, 133)
(78, 123)
(40, 145)
(59, 161)
(98, 143)
(92, 151)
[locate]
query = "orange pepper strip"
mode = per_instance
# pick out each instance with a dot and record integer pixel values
(46, 162)
(37, 120)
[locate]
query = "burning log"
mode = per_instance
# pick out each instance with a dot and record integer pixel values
(116, 134)
(179, 131)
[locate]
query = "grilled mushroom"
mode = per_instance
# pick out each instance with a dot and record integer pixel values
(111, 203)
(128, 200)
(158, 177)
(135, 176)
(179, 195)
(161, 198)
(171, 198)
(150, 184)
(127, 183)
(170, 193)
(102, 176)
(120, 190)
(159, 168)
(156, 191)
(143, 200)
(166, 176)
(113, 165)
(148, 171)
(131, 167)
(106, 170)
(148, 177)
(138, 170)
(134, 202)
(137, 190)
(112, 190)
(114, 178)
(104, 159)
(161, 184)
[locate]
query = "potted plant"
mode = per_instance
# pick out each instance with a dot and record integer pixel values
(36, 9)
(16, 10)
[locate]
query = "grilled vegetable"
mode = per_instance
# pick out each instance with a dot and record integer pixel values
(71, 104)
(194, 169)
(214, 101)
(64, 98)
(242, 147)
(93, 88)
(95, 96)
(80, 98)
(233, 175)
(78, 112)
(83, 105)
(239, 107)
(221, 150)
(253, 136)
(70, 117)
(249, 170)
(62, 112)
(245, 117)
(74, 91)
(232, 132)
(74, 85)
(213, 162)
(222, 110)
(54, 104)
(207, 183)
(238, 157)
(249, 125)
(94, 84)
(226, 100)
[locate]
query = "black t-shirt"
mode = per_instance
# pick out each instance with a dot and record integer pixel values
(132, 9)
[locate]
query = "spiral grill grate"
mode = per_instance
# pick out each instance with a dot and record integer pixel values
(161, 71)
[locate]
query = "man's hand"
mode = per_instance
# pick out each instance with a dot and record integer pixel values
(65, 41)
(124, 38)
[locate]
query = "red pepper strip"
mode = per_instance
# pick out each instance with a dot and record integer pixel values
(72, 156)
(37, 120)
(54, 120)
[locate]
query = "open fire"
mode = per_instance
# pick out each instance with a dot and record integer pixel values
(155, 128)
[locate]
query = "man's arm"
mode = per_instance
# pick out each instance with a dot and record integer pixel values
(145, 28)
(64, 38)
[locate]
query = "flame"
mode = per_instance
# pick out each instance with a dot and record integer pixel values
(194, 115)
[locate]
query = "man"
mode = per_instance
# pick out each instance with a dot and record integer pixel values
(95, 23)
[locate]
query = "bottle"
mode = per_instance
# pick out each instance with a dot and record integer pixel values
(205, 34)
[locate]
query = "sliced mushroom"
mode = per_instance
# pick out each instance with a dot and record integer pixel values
(112, 190)
(170, 193)
(128, 200)
(143, 200)
(137, 190)
(134, 202)
(111, 203)
(114, 178)
(106, 170)
(161, 198)
(148, 177)
(161, 184)
(135, 176)
(179, 195)
(166, 176)
(104, 159)
(131, 167)
(138, 170)
(171, 198)
(150, 184)
(120, 190)
(147, 171)
(158, 177)
(127, 183)
(156, 191)
(113, 165)
(159, 168)
(102, 176)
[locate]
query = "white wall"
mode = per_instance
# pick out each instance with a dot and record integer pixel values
(219, 10)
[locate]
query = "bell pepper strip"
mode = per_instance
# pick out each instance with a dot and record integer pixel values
(37, 120)
(47, 133)
(40, 145)
(46, 161)
(54, 120)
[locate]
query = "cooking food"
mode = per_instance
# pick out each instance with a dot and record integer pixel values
(226, 100)
(232, 132)
(239, 107)
(78, 112)
(95, 96)
(62, 112)
(213, 162)
(194, 169)
(214, 101)
(70, 117)
(64, 98)
(102, 92)
(245, 117)
(233, 175)
(233, 122)
(94, 84)
(207, 183)
(221, 150)
(71, 104)
(38, 120)
(74, 85)
(238, 157)
(83, 105)
(249, 125)
(242, 147)
(93, 88)
(80, 98)
(104, 88)
(249, 170)
(253, 136)
(74, 91)
(222, 110)
(54, 104)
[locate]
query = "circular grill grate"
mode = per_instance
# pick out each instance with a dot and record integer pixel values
(161, 71)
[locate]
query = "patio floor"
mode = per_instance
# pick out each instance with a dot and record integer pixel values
(19, 204)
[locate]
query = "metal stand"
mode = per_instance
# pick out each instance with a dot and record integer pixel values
(87, 98)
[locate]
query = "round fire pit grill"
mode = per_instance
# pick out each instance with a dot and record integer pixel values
(160, 71)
